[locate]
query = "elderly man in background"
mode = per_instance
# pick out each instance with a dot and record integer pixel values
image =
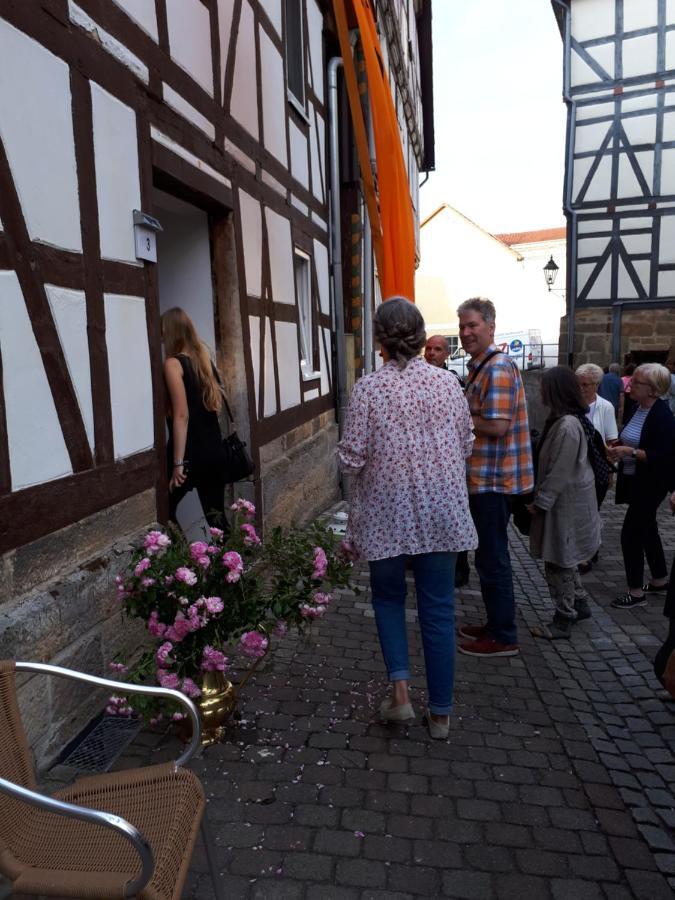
(611, 388)
(436, 352)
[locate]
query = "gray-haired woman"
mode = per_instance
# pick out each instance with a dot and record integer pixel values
(407, 435)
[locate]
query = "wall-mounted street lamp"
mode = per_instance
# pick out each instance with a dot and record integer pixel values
(551, 272)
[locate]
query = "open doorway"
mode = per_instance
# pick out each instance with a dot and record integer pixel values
(185, 279)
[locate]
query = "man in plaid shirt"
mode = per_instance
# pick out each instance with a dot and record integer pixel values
(500, 466)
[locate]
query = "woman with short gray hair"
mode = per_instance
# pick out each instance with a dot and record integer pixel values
(407, 435)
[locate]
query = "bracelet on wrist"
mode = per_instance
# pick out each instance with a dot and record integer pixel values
(181, 462)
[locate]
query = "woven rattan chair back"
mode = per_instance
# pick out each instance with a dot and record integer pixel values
(15, 758)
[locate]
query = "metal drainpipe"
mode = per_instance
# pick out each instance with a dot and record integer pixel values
(570, 213)
(336, 237)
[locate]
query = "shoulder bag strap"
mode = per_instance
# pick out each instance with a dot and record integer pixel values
(475, 372)
(222, 391)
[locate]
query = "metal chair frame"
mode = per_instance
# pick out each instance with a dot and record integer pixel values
(109, 820)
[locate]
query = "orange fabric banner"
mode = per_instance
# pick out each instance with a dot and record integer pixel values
(396, 213)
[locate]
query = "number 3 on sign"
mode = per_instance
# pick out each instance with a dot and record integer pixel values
(146, 243)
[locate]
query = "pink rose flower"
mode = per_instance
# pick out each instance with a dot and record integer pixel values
(233, 561)
(141, 566)
(168, 680)
(321, 599)
(312, 612)
(280, 628)
(214, 605)
(120, 668)
(253, 644)
(178, 717)
(147, 582)
(243, 506)
(156, 541)
(216, 533)
(320, 563)
(190, 688)
(213, 660)
(180, 629)
(162, 656)
(250, 536)
(155, 627)
(187, 576)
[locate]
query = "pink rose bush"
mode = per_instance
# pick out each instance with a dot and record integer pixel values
(211, 604)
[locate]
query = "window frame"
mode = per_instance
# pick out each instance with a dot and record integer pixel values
(298, 103)
(304, 299)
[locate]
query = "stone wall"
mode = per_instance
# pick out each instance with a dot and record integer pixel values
(58, 604)
(642, 330)
(299, 472)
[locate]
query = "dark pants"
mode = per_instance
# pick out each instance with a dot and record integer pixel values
(640, 537)
(490, 512)
(210, 488)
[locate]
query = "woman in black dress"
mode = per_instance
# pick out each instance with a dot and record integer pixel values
(195, 399)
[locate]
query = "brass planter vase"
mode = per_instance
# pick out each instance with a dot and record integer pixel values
(216, 705)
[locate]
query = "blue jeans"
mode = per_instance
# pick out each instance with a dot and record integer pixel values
(435, 586)
(490, 512)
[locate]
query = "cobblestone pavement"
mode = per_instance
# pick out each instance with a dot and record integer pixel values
(556, 781)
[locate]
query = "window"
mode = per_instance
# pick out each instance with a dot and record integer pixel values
(295, 52)
(303, 294)
(453, 344)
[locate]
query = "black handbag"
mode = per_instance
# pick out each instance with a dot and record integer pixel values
(236, 459)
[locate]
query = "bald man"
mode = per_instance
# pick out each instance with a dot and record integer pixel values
(437, 350)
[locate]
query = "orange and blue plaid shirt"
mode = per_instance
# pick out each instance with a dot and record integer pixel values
(499, 464)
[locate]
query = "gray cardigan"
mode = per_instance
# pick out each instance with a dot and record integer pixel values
(566, 530)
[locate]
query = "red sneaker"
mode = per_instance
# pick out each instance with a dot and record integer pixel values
(488, 647)
(473, 632)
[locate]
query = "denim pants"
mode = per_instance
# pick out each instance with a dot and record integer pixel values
(490, 512)
(435, 586)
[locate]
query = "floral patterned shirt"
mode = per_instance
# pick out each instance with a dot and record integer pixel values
(407, 436)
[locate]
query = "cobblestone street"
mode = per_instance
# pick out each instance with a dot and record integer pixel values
(556, 781)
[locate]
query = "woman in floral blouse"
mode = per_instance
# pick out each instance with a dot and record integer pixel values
(407, 435)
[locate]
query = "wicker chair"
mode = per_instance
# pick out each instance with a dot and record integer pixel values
(121, 834)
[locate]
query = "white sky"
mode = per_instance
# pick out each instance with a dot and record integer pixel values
(499, 115)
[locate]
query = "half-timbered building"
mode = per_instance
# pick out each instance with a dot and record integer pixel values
(159, 153)
(619, 196)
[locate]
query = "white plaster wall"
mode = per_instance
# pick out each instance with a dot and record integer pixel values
(177, 102)
(244, 102)
(274, 99)
(317, 167)
(37, 451)
(322, 276)
(270, 400)
(251, 227)
(281, 257)
(130, 376)
(190, 39)
(69, 309)
(273, 10)
(592, 19)
(184, 263)
(315, 27)
(37, 130)
(117, 174)
(225, 10)
(254, 346)
(325, 361)
(288, 362)
(299, 157)
(143, 13)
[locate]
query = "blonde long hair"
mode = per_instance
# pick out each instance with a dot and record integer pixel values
(180, 336)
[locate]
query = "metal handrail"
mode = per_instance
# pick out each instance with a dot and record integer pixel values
(125, 687)
(93, 817)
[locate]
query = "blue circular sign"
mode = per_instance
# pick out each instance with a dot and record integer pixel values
(516, 346)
